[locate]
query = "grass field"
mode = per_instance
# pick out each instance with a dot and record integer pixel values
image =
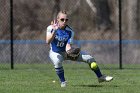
(38, 79)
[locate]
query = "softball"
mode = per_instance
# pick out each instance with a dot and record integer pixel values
(93, 65)
(53, 81)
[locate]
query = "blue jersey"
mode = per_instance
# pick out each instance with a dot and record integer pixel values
(62, 37)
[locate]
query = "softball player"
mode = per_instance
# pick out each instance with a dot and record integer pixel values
(60, 37)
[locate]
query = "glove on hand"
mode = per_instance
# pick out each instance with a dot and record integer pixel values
(73, 53)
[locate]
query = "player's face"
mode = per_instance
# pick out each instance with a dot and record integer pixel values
(62, 20)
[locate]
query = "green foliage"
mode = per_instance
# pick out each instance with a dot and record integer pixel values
(80, 79)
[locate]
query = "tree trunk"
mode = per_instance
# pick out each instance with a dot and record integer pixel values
(103, 14)
(130, 17)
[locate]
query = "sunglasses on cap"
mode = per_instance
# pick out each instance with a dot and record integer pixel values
(64, 20)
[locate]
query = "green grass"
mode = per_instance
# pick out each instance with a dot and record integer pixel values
(38, 78)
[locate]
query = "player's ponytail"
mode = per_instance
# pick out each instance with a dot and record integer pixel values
(61, 12)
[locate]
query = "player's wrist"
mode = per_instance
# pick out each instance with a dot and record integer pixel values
(53, 30)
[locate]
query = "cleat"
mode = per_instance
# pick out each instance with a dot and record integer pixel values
(105, 78)
(63, 84)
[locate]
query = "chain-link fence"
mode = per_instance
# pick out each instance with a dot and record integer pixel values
(95, 22)
(130, 32)
(5, 33)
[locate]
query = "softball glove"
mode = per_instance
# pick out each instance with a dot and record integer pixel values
(73, 53)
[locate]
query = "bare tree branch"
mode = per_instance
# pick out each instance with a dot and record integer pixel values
(92, 6)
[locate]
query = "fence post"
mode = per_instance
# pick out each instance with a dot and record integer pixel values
(11, 33)
(120, 33)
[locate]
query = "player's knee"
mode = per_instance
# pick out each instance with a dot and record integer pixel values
(58, 64)
(93, 65)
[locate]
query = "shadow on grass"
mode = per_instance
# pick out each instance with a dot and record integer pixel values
(90, 85)
(95, 86)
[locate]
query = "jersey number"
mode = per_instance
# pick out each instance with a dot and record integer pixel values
(60, 44)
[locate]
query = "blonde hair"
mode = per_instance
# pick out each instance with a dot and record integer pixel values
(61, 12)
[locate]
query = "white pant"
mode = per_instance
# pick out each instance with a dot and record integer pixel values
(58, 58)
